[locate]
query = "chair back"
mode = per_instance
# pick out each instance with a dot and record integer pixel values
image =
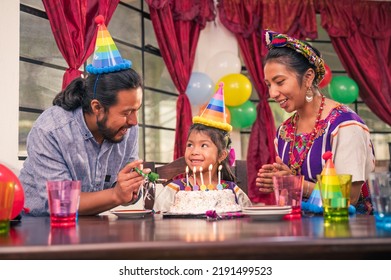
(240, 171)
(171, 170)
(168, 172)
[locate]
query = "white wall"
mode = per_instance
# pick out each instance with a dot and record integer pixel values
(215, 38)
(9, 81)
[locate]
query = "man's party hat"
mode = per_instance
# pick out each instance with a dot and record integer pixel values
(214, 113)
(106, 58)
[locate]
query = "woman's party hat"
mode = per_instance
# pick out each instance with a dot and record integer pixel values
(330, 181)
(314, 203)
(214, 113)
(328, 168)
(106, 58)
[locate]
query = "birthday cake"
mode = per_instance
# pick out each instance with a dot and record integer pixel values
(198, 202)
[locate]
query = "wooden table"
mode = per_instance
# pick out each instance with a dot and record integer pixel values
(172, 238)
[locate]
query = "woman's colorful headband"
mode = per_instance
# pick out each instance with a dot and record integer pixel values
(276, 40)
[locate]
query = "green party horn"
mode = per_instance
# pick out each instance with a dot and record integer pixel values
(152, 176)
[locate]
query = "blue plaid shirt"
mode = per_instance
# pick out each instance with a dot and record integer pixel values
(61, 147)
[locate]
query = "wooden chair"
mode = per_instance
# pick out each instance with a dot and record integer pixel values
(240, 171)
(168, 172)
(171, 170)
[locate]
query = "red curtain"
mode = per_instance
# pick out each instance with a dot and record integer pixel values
(74, 29)
(246, 19)
(296, 18)
(361, 35)
(177, 25)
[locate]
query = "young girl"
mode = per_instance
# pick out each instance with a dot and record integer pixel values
(205, 146)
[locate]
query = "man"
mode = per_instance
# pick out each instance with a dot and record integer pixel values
(91, 135)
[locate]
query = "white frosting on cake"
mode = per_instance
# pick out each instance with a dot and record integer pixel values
(198, 202)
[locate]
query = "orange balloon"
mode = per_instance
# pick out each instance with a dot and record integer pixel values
(227, 112)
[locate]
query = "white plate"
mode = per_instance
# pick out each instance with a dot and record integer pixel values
(268, 212)
(131, 214)
(265, 216)
(269, 207)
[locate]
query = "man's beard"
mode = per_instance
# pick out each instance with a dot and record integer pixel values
(107, 133)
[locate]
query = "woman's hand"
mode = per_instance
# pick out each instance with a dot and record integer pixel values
(265, 175)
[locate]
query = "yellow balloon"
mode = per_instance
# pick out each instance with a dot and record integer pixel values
(237, 89)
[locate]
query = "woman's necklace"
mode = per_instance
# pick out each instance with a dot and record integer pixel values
(294, 164)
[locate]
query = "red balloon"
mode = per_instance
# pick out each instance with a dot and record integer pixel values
(327, 77)
(6, 175)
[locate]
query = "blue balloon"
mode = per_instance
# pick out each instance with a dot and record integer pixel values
(200, 88)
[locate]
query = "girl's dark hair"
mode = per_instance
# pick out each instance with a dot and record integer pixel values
(222, 141)
(292, 59)
(103, 87)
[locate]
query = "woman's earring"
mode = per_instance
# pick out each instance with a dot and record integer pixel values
(309, 96)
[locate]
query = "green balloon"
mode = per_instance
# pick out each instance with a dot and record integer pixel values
(244, 115)
(343, 89)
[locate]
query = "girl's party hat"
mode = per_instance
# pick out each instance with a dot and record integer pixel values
(214, 113)
(106, 58)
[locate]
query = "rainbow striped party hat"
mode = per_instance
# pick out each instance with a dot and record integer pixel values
(315, 200)
(331, 187)
(106, 58)
(328, 168)
(214, 114)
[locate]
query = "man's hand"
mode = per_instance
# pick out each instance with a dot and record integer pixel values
(128, 183)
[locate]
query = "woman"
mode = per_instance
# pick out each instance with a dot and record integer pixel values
(293, 71)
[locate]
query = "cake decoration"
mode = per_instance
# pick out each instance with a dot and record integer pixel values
(195, 186)
(198, 202)
(219, 185)
(202, 187)
(187, 188)
(210, 186)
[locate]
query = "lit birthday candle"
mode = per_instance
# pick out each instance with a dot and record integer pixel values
(195, 187)
(187, 188)
(219, 185)
(202, 187)
(210, 186)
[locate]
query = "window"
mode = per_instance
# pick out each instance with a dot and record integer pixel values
(42, 67)
(131, 29)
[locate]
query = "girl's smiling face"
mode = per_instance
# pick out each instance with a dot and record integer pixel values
(201, 152)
